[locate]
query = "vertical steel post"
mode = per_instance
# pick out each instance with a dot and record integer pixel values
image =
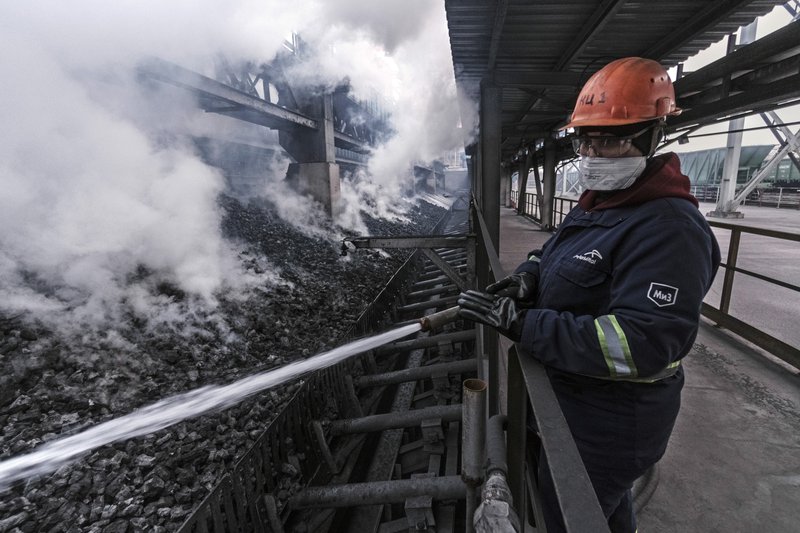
(516, 433)
(522, 182)
(726, 206)
(548, 184)
(491, 133)
(473, 441)
(730, 265)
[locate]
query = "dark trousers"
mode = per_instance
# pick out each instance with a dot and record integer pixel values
(613, 491)
(621, 430)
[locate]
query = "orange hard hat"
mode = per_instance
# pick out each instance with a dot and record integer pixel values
(626, 91)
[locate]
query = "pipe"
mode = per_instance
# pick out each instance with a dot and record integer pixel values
(402, 419)
(419, 285)
(496, 445)
(473, 438)
(437, 320)
(444, 289)
(473, 431)
(496, 512)
(414, 374)
(426, 342)
(379, 492)
(428, 304)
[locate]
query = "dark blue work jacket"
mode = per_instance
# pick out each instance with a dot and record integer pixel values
(620, 289)
(618, 307)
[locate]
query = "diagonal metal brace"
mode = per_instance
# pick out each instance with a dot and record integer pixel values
(451, 273)
(433, 241)
(426, 245)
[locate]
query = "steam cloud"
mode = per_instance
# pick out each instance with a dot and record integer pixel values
(95, 180)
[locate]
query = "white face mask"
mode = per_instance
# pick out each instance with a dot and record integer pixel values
(610, 173)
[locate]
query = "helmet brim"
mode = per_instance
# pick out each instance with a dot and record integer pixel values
(613, 121)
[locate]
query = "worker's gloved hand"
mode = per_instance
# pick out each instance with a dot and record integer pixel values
(500, 312)
(521, 287)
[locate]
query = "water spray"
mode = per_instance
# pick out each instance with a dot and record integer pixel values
(169, 411)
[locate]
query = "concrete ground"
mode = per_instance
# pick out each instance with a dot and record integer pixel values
(733, 463)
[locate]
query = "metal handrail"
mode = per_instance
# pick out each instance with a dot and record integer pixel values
(561, 206)
(722, 316)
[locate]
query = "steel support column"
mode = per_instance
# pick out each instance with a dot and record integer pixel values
(505, 187)
(491, 131)
(726, 206)
(522, 181)
(490, 157)
(549, 183)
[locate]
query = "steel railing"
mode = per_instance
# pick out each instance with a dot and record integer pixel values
(722, 314)
(561, 206)
(780, 197)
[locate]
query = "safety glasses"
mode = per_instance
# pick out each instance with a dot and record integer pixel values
(603, 144)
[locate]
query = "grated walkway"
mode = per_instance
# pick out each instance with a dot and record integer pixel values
(733, 463)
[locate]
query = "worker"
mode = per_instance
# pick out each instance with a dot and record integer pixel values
(611, 303)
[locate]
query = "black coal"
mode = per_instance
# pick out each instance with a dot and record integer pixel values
(52, 386)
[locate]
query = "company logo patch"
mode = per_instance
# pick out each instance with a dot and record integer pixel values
(662, 295)
(590, 257)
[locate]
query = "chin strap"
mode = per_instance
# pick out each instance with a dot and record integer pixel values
(656, 135)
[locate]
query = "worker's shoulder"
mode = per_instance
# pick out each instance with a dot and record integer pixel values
(666, 216)
(669, 209)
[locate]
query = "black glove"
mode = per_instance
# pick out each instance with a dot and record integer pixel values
(521, 287)
(500, 312)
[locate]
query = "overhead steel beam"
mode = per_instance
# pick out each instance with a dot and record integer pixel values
(264, 112)
(713, 12)
(537, 80)
(593, 25)
(777, 46)
(534, 133)
(350, 142)
(753, 80)
(497, 32)
(437, 241)
(761, 98)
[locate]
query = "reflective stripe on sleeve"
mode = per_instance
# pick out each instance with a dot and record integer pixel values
(615, 347)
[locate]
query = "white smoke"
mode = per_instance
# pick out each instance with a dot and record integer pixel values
(95, 181)
(416, 80)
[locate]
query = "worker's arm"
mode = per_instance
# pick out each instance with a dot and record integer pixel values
(656, 287)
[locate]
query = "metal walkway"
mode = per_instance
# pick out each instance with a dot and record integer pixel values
(733, 463)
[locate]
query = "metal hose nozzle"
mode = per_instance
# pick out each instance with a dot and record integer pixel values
(439, 319)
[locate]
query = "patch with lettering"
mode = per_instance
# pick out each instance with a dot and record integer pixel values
(662, 295)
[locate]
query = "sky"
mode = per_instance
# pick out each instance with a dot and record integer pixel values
(776, 19)
(98, 182)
